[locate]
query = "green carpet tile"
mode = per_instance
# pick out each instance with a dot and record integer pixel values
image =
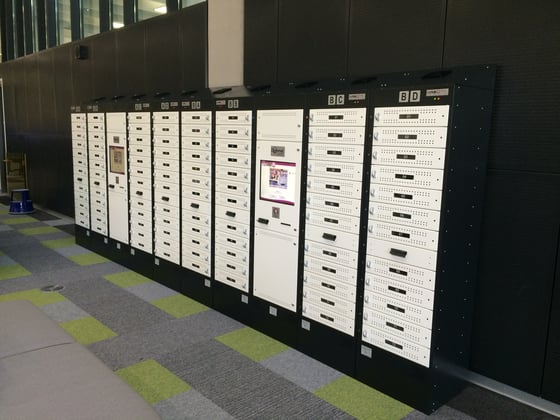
(361, 401)
(18, 220)
(253, 344)
(89, 258)
(12, 271)
(59, 243)
(42, 230)
(152, 381)
(35, 296)
(179, 306)
(87, 330)
(126, 279)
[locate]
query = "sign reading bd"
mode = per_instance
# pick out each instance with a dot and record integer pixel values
(409, 96)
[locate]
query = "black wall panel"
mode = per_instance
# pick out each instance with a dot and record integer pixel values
(131, 58)
(6, 70)
(63, 89)
(260, 63)
(163, 57)
(193, 29)
(19, 91)
(31, 120)
(551, 384)
(312, 40)
(47, 98)
(517, 262)
(103, 56)
(522, 38)
(82, 75)
(392, 36)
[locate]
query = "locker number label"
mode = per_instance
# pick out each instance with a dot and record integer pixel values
(409, 96)
(233, 103)
(335, 100)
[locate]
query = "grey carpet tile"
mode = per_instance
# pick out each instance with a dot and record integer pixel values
(484, 405)
(190, 405)
(97, 290)
(33, 256)
(68, 228)
(150, 291)
(43, 215)
(301, 369)
(156, 340)
(69, 251)
(243, 388)
(19, 284)
(5, 260)
(5, 228)
(53, 235)
(443, 413)
(64, 311)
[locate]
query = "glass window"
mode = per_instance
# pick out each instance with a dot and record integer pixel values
(63, 18)
(34, 25)
(187, 3)
(148, 8)
(118, 14)
(90, 17)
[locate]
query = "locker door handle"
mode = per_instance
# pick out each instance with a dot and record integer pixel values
(262, 220)
(230, 213)
(398, 252)
(139, 193)
(111, 186)
(165, 198)
(195, 205)
(329, 236)
(96, 183)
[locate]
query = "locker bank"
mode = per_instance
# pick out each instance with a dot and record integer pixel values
(388, 207)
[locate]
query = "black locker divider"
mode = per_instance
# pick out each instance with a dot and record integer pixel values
(425, 385)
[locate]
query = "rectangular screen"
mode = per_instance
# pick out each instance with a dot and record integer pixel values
(116, 159)
(278, 182)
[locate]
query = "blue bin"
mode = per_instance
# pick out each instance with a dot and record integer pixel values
(20, 202)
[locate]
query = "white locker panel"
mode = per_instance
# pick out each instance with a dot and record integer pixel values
(336, 152)
(167, 188)
(190, 181)
(139, 140)
(232, 227)
(340, 188)
(399, 290)
(231, 267)
(197, 243)
(407, 177)
(141, 187)
(81, 196)
(138, 129)
(81, 188)
(140, 150)
(141, 203)
(140, 225)
(96, 137)
(325, 236)
(416, 276)
(82, 219)
(197, 143)
(197, 205)
(98, 174)
(239, 188)
(234, 201)
(398, 309)
(330, 270)
(165, 232)
(163, 140)
(195, 230)
(402, 253)
(240, 117)
(79, 144)
(404, 196)
(436, 115)
(98, 225)
(96, 201)
(142, 244)
(336, 170)
(408, 216)
(412, 157)
(410, 136)
(97, 164)
(233, 146)
(195, 217)
(197, 169)
(118, 220)
(80, 162)
(166, 153)
(196, 255)
(98, 192)
(165, 118)
(140, 162)
(337, 116)
(334, 288)
(328, 302)
(95, 117)
(79, 154)
(81, 205)
(79, 135)
(339, 135)
(332, 319)
(96, 147)
(421, 238)
(167, 250)
(141, 212)
(166, 176)
(232, 241)
(115, 122)
(97, 155)
(237, 255)
(140, 172)
(231, 132)
(200, 131)
(331, 254)
(231, 279)
(334, 203)
(233, 160)
(197, 194)
(399, 328)
(77, 117)
(139, 118)
(189, 155)
(167, 213)
(234, 174)
(165, 200)
(98, 210)
(280, 124)
(414, 352)
(167, 164)
(196, 265)
(196, 117)
(336, 221)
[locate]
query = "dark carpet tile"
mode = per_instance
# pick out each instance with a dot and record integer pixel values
(243, 388)
(67, 228)
(484, 405)
(43, 215)
(156, 340)
(31, 254)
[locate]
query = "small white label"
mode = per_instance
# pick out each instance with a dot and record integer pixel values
(245, 299)
(207, 283)
(356, 96)
(118, 245)
(273, 311)
(106, 240)
(366, 351)
(156, 261)
(437, 92)
(404, 96)
(306, 325)
(415, 95)
(132, 251)
(87, 233)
